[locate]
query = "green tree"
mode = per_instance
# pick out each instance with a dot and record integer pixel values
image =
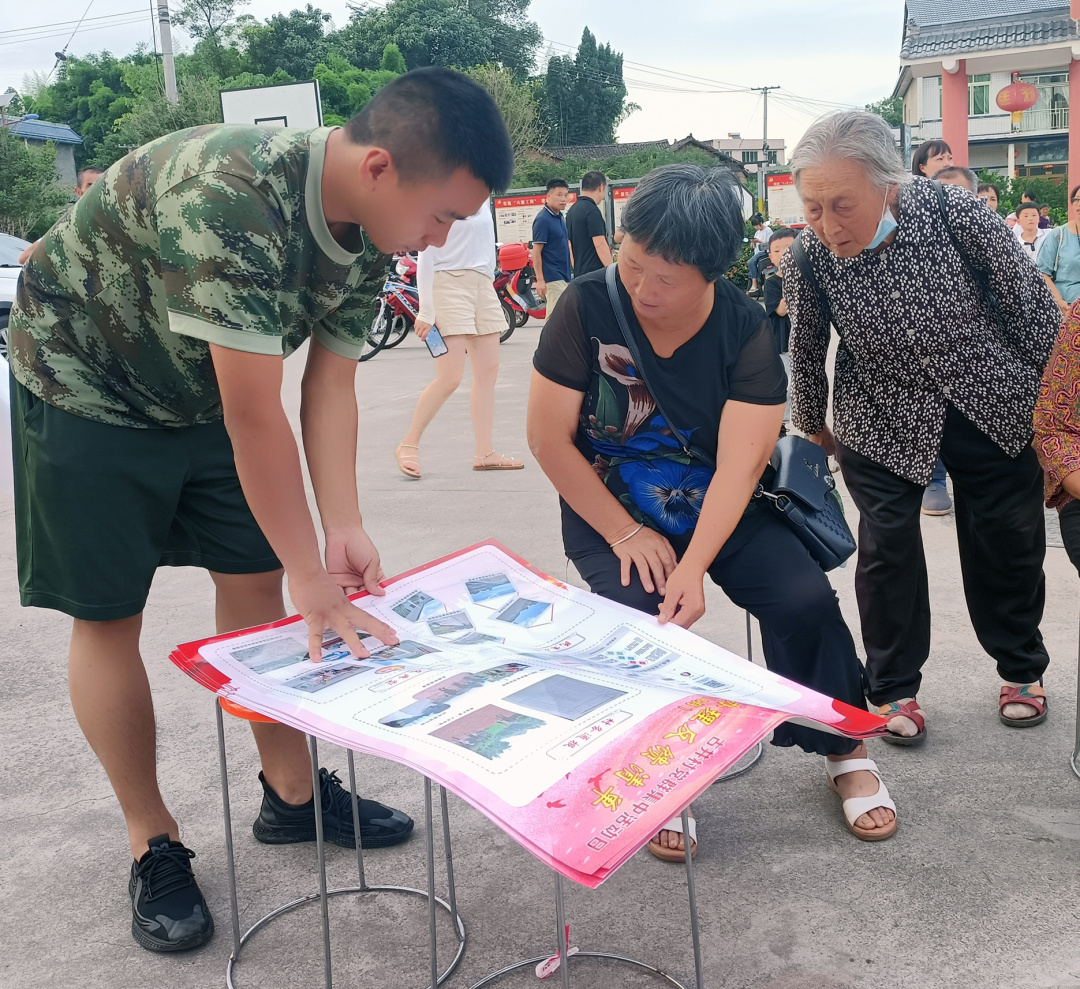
(345, 89)
(29, 194)
(584, 97)
(294, 43)
(393, 60)
(211, 22)
(890, 109)
(15, 108)
(518, 104)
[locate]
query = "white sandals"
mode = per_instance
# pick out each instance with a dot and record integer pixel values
(855, 807)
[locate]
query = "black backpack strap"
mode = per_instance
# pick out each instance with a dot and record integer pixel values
(806, 269)
(635, 353)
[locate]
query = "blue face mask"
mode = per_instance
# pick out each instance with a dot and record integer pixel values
(886, 225)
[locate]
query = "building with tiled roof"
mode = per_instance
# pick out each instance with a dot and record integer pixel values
(33, 130)
(601, 152)
(956, 56)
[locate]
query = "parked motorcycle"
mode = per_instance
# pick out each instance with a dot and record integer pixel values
(515, 285)
(395, 309)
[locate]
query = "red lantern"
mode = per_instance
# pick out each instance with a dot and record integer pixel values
(1018, 97)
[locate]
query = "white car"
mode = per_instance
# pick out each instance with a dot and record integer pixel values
(10, 269)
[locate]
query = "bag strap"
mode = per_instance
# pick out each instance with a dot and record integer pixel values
(635, 353)
(1057, 254)
(806, 269)
(979, 274)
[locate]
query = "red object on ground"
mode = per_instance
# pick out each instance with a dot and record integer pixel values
(513, 257)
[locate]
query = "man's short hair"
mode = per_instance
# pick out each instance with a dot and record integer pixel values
(1026, 206)
(434, 121)
(591, 181)
(89, 170)
(557, 184)
(783, 233)
(1027, 196)
(958, 172)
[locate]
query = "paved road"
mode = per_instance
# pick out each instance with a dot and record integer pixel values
(978, 889)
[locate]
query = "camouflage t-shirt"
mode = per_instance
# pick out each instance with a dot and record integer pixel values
(209, 235)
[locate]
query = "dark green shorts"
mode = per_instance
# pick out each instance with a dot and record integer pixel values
(98, 508)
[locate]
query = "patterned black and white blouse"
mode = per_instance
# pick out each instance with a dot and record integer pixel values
(916, 334)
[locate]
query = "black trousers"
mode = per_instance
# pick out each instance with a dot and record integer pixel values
(766, 570)
(1069, 518)
(1002, 539)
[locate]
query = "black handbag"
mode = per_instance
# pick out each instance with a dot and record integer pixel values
(802, 488)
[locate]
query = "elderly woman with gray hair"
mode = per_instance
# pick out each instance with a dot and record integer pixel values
(642, 520)
(945, 328)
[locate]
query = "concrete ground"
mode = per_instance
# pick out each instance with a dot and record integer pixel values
(979, 888)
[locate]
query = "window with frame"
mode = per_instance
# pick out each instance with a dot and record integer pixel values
(978, 95)
(749, 157)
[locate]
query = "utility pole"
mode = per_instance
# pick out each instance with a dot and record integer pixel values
(167, 64)
(763, 162)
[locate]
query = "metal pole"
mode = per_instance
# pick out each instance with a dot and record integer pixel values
(432, 934)
(321, 847)
(229, 858)
(692, 894)
(167, 64)
(449, 859)
(356, 824)
(560, 920)
(763, 162)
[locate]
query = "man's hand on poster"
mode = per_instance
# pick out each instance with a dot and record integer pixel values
(321, 602)
(651, 553)
(684, 600)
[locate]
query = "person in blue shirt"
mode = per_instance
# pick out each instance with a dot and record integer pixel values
(1059, 257)
(551, 245)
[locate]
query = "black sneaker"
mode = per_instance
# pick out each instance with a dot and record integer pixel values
(168, 912)
(280, 823)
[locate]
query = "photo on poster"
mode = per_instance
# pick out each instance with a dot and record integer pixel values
(417, 606)
(274, 654)
(414, 714)
(489, 588)
(526, 612)
(488, 730)
(451, 624)
(323, 676)
(333, 647)
(564, 697)
(405, 649)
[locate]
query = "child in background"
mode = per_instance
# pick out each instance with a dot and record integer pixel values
(775, 305)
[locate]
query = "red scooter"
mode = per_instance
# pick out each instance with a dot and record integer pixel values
(515, 285)
(396, 307)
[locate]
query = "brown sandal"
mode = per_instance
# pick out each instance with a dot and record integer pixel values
(502, 462)
(910, 710)
(1031, 694)
(408, 463)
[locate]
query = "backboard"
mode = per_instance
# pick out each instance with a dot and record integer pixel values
(294, 104)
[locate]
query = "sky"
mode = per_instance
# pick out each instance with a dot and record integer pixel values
(841, 51)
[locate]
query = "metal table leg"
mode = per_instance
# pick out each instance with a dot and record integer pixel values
(1076, 748)
(323, 895)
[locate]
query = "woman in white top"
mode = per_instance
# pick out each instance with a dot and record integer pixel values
(1027, 227)
(457, 295)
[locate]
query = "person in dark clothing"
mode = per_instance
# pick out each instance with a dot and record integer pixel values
(643, 521)
(773, 297)
(551, 246)
(589, 248)
(926, 368)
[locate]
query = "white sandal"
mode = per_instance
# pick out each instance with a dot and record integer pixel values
(666, 854)
(855, 807)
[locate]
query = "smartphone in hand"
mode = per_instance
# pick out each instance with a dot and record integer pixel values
(436, 345)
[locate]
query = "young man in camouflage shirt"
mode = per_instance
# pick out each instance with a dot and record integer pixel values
(148, 430)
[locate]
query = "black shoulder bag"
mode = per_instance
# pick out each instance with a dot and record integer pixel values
(802, 489)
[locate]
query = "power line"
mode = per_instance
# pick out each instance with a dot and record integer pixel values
(61, 34)
(65, 24)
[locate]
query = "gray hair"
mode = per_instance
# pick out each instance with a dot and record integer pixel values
(855, 135)
(687, 214)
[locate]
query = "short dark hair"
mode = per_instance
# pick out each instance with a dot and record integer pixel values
(924, 152)
(1026, 206)
(1027, 196)
(783, 233)
(987, 186)
(1075, 190)
(89, 170)
(434, 121)
(557, 184)
(1043, 206)
(688, 215)
(957, 172)
(592, 180)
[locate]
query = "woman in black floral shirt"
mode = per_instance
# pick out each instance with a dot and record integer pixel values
(945, 328)
(643, 521)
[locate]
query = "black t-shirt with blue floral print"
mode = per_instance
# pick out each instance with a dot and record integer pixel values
(621, 431)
